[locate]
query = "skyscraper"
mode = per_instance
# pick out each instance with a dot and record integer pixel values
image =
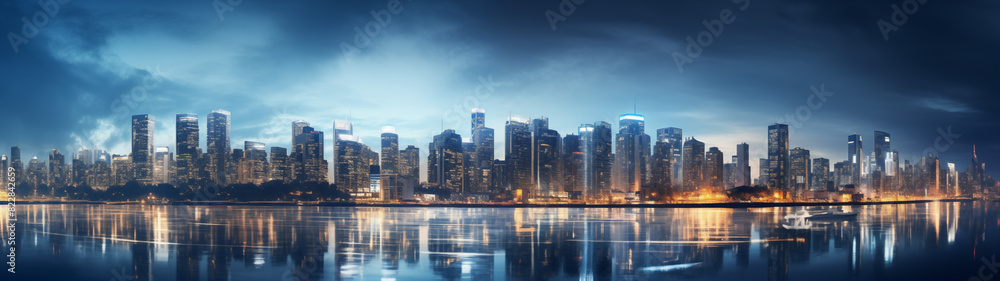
(713, 169)
(445, 162)
(187, 147)
(310, 154)
(821, 175)
(675, 137)
(255, 155)
(15, 162)
(742, 170)
(777, 157)
(342, 130)
(518, 155)
(661, 170)
(57, 170)
(631, 153)
(800, 165)
(854, 157)
(390, 152)
(546, 155)
(162, 162)
(217, 146)
(410, 163)
(297, 127)
(694, 164)
(142, 148)
(572, 163)
(280, 167)
(882, 148)
(482, 160)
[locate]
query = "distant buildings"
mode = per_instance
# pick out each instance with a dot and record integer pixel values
(800, 166)
(713, 172)
(445, 162)
(217, 146)
(142, 148)
(518, 156)
(694, 165)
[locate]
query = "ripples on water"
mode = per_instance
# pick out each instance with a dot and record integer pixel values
(930, 241)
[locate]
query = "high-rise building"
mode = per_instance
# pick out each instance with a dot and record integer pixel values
(445, 162)
(342, 130)
(36, 174)
(598, 161)
(741, 171)
(297, 128)
(353, 164)
(310, 164)
(410, 163)
(674, 136)
(694, 165)
(57, 170)
(800, 165)
(162, 162)
(482, 159)
(255, 156)
(882, 148)
(842, 174)
(142, 148)
(121, 166)
(572, 166)
(661, 170)
(631, 153)
(713, 169)
(389, 164)
(187, 148)
(15, 162)
(547, 152)
(280, 166)
(777, 157)
(854, 157)
(821, 175)
(518, 156)
(218, 147)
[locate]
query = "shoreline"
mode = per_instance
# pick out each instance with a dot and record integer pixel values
(478, 205)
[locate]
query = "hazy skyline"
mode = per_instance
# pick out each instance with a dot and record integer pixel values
(272, 63)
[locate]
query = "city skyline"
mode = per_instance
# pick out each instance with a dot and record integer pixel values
(480, 114)
(417, 72)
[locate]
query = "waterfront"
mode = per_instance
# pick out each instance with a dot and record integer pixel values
(921, 241)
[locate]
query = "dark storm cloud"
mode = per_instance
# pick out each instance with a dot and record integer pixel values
(267, 57)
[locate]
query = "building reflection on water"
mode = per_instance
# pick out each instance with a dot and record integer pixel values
(324, 243)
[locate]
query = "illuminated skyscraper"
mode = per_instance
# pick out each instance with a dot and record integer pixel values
(631, 153)
(309, 153)
(713, 169)
(280, 166)
(410, 163)
(882, 148)
(661, 170)
(342, 130)
(546, 154)
(800, 165)
(445, 163)
(482, 160)
(142, 148)
(742, 169)
(162, 162)
(390, 152)
(595, 142)
(777, 157)
(255, 156)
(57, 170)
(694, 165)
(572, 163)
(218, 148)
(15, 162)
(821, 180)
(675, 137)
(121, 167)
(297, 128)
(187, 147)
(518, 155)
(854, 157)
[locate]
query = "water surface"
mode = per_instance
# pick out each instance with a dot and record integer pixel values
(927, 241)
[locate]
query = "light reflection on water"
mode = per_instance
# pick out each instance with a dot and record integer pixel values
(929, 241)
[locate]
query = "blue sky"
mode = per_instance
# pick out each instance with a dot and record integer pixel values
(94, 63)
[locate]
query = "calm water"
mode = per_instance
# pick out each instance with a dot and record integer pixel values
(931, 241)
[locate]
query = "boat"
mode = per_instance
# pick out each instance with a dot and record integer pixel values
(798, 220)
(834, 214)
